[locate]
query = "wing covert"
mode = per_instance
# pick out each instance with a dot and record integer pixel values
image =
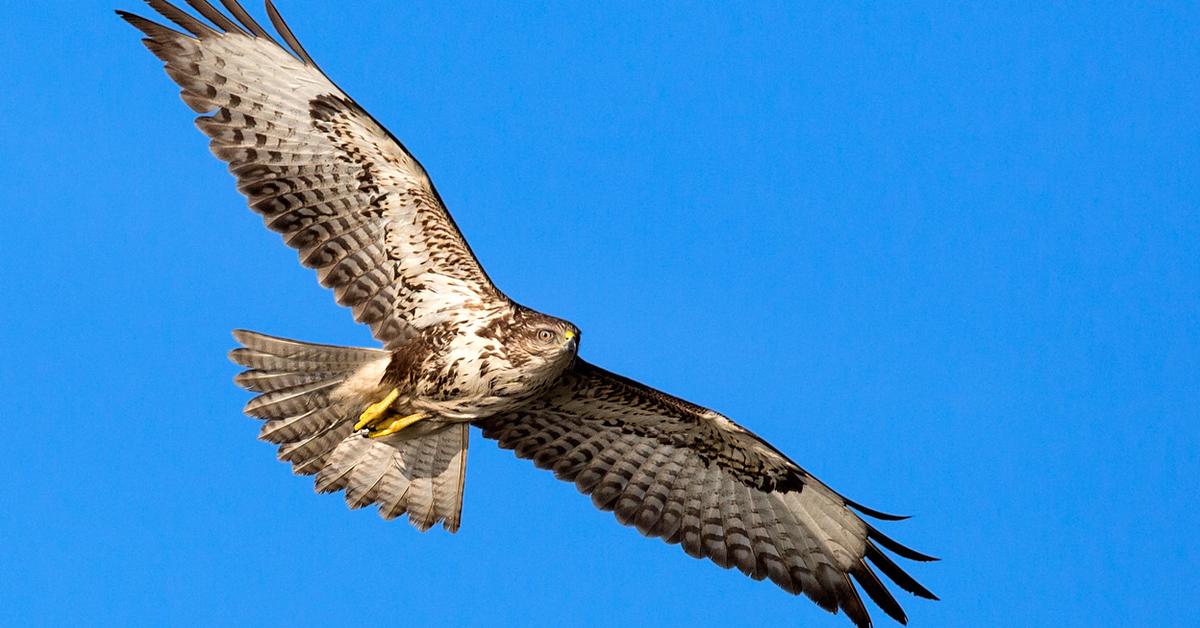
(320, 170)
(691, 476)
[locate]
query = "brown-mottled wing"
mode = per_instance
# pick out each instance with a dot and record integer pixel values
(320, 170)
(691, 476)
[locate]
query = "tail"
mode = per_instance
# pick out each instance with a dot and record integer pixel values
(310, 397)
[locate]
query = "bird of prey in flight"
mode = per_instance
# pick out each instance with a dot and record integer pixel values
(389, 426)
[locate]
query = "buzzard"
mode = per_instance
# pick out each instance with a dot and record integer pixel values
(389, 426)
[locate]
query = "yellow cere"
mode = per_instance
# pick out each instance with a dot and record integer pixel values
(569, 334)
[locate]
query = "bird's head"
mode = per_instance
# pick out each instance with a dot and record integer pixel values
(550, 336)
(549, 343)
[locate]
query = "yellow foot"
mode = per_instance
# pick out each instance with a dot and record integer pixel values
(376, 411)
(396, 425)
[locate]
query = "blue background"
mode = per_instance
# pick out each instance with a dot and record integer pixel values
(947, 258)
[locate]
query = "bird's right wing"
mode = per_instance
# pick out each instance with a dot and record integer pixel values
(691, 476)
(320, 170)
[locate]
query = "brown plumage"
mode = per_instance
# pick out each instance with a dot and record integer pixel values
(362, 212)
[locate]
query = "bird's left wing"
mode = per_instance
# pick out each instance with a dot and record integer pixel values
(691, 476)
(320, 170)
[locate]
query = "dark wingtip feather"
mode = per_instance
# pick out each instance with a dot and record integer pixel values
(871, 512)
(285, 31)
(248, 21)
(216, 17)
(897, 547)
(136, 20)
(852, 603)
(896, 574)
(157, 37)
(132, 19)
(185, 21)
(878, 593)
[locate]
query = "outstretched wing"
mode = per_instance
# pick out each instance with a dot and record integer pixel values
(321, 171)
(691, 476)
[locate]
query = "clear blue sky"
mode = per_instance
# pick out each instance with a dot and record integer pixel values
(946, 258)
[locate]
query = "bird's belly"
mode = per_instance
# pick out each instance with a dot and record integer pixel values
(468, 382)
(468, 403)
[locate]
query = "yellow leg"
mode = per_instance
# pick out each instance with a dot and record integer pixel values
(396, 425)
(375, 411)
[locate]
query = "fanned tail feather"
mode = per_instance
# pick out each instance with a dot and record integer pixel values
(310, 396)
(420, 476)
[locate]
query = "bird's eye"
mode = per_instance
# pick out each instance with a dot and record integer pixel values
(546, 335)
